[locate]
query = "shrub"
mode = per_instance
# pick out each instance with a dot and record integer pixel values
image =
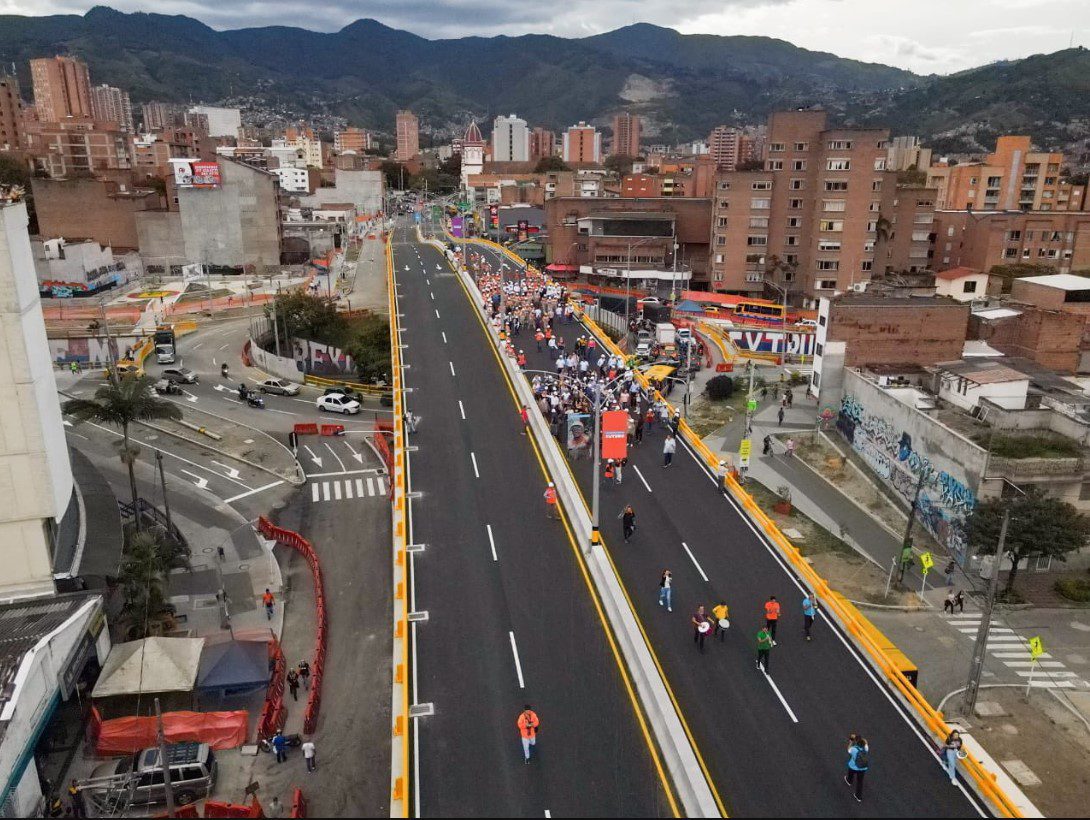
(1074, 589)
(720, 387)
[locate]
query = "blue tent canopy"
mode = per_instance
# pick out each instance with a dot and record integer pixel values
(689, 306)
(234, 665)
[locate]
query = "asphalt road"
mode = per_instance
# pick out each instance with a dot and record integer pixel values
(511, 620)
(757, 734)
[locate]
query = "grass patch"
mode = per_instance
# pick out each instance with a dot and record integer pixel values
(706, 416)
(201, 295)
(1074, 589)
(1038, 446)
(816, 539)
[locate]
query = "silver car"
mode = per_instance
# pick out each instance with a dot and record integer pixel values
(278, 387)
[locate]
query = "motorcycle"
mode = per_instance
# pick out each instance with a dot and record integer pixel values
(292, 741)
(254, 400)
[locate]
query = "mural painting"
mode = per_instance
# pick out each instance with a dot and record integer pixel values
(945, 502)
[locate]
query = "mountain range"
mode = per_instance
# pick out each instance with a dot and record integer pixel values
(683, 85)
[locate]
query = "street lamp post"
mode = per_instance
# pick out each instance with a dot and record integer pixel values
(783, 322)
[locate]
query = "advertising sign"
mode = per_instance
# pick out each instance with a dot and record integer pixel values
(579, 440)
(615, 435)
(456, 227)
(744, 451)
(195, 173)
(524, 229)
(494, 215)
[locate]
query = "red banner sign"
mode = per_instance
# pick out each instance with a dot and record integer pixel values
(615, 435)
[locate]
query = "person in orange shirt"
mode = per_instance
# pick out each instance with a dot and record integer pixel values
(772, 616)
(528, 724)
(267, 600)
(550, 501)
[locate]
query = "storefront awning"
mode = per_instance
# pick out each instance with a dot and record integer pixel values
(555, 268)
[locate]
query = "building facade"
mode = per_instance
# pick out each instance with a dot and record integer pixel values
(582, 144)
(96, 209)
(472, 154)
(408, 136)
(730, 147)
(905, 231)
(626, 135)
(352, 139)
(222, 122)
(62, 89)
(11, 115)
(1059, 240)
(542, 144)
(113, 105)
(77, 147)
(510, 139)
(907, 152)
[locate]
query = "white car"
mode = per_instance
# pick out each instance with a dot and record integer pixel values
(811, 323)
(338, 403)
(278, 387)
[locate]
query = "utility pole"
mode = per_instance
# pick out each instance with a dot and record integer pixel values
(976, 668)
(595, 537)
(276, 327)
(163, 482)
(907, 540)
(164, 760)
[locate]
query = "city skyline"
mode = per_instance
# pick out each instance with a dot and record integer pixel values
(973, 33)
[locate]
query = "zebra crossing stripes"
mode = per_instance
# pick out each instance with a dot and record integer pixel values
(346, 489)
(1012, 650)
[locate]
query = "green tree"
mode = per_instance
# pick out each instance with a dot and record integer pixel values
(119, 403)
(619, 164)
(393, 173)
(547, 164)
(143, 583)
(370, 349)
(309, 317)
(1039, 523)
(14, 172)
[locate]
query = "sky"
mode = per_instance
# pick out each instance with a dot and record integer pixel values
(925, 36)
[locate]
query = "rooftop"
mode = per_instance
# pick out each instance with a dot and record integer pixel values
(957, 273)
(1062, 281)
(982, 372)
(894, 301)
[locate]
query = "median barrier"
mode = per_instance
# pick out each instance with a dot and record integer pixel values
(298, 803)
(306, 429)
(332, 429)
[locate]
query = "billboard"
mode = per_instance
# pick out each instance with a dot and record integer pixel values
(456, 226)
(190, 173)
(615, 434)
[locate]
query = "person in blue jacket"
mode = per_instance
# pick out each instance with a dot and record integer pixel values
(858, 763)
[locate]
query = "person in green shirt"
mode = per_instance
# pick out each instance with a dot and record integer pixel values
(905, 561)
(764, 647)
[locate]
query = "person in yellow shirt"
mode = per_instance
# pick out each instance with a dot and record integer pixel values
(721, 615)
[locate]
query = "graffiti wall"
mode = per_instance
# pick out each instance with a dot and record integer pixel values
(89, 350)
(906, 448)
(767, 341)
(319, 359)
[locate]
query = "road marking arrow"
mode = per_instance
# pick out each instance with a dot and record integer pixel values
(67, 423)
(221, 388)
(231, 471)
(200, 481)
(313, 457)
(355, 454)
(189, 396)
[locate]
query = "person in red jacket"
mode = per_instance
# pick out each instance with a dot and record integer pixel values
(772, 616)
(528, 724)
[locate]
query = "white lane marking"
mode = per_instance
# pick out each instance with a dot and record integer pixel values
(381, 486)
(1019, 655)
(336, 490)
(518, 666)
(695, 562)
(776, 689)
(282, 412)
(444, 336)
(370, 487)
(432, 295)
(437, 313)
(344, 472)
(1050, 675)
(492, 542)
(348, 488)
(231, 471)
(325, 491)
(224, 347)
(355, 453)
(644, 480)
(315, 490)
(316, 459)
(462, 409)
(200, 481)
(476, 472)
(335, 456)
(548, 813)
(359, 487)
(451, 367)
(252, 492)
(197, 345)
(1030, 664)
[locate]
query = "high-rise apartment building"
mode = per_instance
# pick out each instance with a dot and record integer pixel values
(352, 139)
(62, 88)
(77, 147)
(542, 144)
(510, 140)
(582, 143)
(156, 115)
(626, 135)
(11, 115)
(221, 122)
(408, 136)
(811, 217)
(1013, 177)
(907, 152)
(113, 105)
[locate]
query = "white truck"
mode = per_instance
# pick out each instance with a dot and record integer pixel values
(643, 344)
(665, 333)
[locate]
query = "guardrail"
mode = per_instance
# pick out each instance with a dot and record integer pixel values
(400, 773)
(850, 619)
(359, 387)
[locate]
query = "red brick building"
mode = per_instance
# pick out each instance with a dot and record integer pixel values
(1051, 338)
(91, 209)
(982, 240)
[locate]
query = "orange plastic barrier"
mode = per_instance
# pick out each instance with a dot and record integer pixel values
(317, 668)
(332, 429)
(220, 730)
(724, 367)
(306, 429)
(273, 713)
(214, 808)
(298, 804)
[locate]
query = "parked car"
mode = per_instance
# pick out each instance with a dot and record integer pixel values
(167, 387)
(338, 403)
(347, 392)
(125, 368)
(137, 780)
(278, 387)
(181, 375)
(807, 323)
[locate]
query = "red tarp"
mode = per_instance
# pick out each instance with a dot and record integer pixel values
(220, 730)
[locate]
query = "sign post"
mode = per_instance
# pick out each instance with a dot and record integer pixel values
(927, 561)
(1036, 650)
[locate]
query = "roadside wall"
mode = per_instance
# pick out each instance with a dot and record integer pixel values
(899, 444)
(279, 366)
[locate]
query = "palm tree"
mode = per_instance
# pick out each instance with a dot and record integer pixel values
(142, 578)
(120, 403)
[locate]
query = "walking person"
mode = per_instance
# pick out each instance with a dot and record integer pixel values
(858, 764)
(309, 753)
(779, 416)
(528, 724)
(550, 502)
(701, 627)
(610, 472)
(766, 446)
(304, 674)
(75, 796)
(959, 601)
(772, 616)
(666, 590)
(267, 599)
(951, 568)
(721, 616)
(808, 612)
(293, 684)
(637, 434)
(790, 452)
(628, 522)
(669, 447)
(620, 469)
(764, 649)
(524, 414)
(280, 746)
(948, 603)
(951, 752)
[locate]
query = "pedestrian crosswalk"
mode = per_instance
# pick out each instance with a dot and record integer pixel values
(345, 489)
(1012, 650)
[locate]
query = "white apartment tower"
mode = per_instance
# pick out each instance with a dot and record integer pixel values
(510, 140)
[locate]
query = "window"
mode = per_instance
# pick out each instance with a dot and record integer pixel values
(875, 207)
(821, 321)
(838, 165)
(825, 284)
(720, 240)
(762, 185)
(724, 186)
(880, 164)
(1012, 236)
(828, 245)
(834, 205)
(923, 219)
(775, 165)
(794, 222)
(756, 204)
(791, 240)
(831, 225)
(872, 226)
(920, 236)
(798, 165)
(828, 264)
(792, 259)
(969, 287)
(1010, 253)
(758, 222)
(775, 146)
(867, 265)
(836, 185)
(757, 241)
(815, 378)
(819, 349)
(723, 204)
(876, 185)
(719, 259)
(801, 146)
(794, 204)
(798, 184)
(721, 222)
(840, 145)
